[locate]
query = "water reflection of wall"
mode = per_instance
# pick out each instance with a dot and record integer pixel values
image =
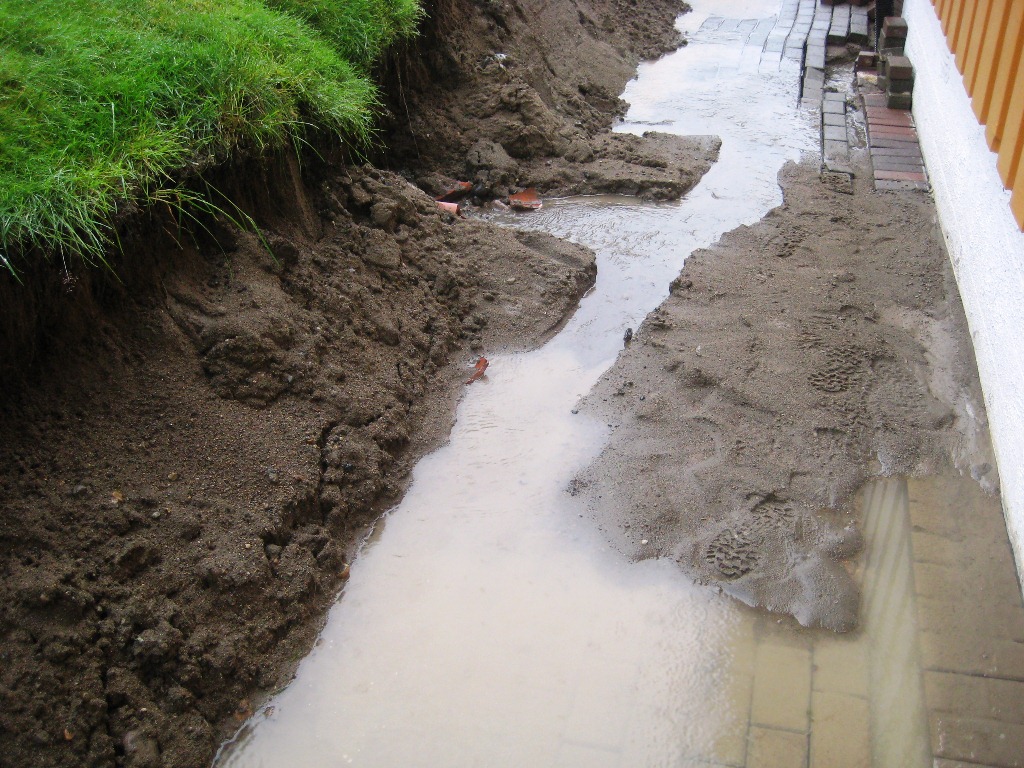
(897, 711)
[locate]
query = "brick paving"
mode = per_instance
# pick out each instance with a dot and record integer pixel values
(835, 136)
(970, 619)
(897, 163)
(896, 157)
(934, 677)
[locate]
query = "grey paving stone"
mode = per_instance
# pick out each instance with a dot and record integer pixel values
(834, 134)
(838, 166)
(836, 149)
(837, 120)
(839, 30)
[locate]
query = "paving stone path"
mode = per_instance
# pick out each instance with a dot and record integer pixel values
(895, 151)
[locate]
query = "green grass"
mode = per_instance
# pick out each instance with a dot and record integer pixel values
(103, 101)
(360, 30)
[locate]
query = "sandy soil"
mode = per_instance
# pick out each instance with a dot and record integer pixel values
(793, 360)
(190, 451)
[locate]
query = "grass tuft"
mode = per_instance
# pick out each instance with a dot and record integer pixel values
(103, 101)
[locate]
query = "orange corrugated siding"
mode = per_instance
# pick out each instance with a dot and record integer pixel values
(987, 41)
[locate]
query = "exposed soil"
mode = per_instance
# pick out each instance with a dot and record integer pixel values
(180, 492)
(516, 93)
(190, 453)
(793, 360)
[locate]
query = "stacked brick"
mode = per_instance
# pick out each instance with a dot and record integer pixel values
(897, 71)
(893, 37)
(898, 74)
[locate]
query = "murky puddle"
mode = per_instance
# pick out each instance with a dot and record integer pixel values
(490, 625)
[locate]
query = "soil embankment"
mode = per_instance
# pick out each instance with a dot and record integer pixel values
(190, 454)
(793, 360)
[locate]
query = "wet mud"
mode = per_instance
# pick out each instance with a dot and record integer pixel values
(181, 493)
(794, 360)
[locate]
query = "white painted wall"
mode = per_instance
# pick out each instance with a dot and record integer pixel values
(984, 243)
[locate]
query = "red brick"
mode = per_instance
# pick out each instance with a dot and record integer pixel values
(875, 138)
(893, 121)
(894, 26)
(887, 115)
(866, 60)
(891, 130)
(896, 143)
(900, 176)
(911, 153)
(901, 186)
(896, 164)
(881, 109)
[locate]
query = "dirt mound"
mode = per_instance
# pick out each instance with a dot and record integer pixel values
(179, 495)
(518, 93)
(792, 361)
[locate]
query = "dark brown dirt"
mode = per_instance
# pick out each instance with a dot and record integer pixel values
(516, 93)
(793, 361)
(190, 452)
(180, 493)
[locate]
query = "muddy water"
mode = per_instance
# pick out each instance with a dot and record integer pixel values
(487, 623)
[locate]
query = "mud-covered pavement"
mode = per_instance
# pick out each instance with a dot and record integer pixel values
(794, 360)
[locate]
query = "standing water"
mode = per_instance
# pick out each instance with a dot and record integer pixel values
(489, 623)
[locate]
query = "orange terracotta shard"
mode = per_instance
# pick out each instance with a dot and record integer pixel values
(527, 200)
(478, 370)
(456, 192)
(452, 208)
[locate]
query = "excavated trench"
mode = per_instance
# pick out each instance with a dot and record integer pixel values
(488, 621)
(196, 452)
